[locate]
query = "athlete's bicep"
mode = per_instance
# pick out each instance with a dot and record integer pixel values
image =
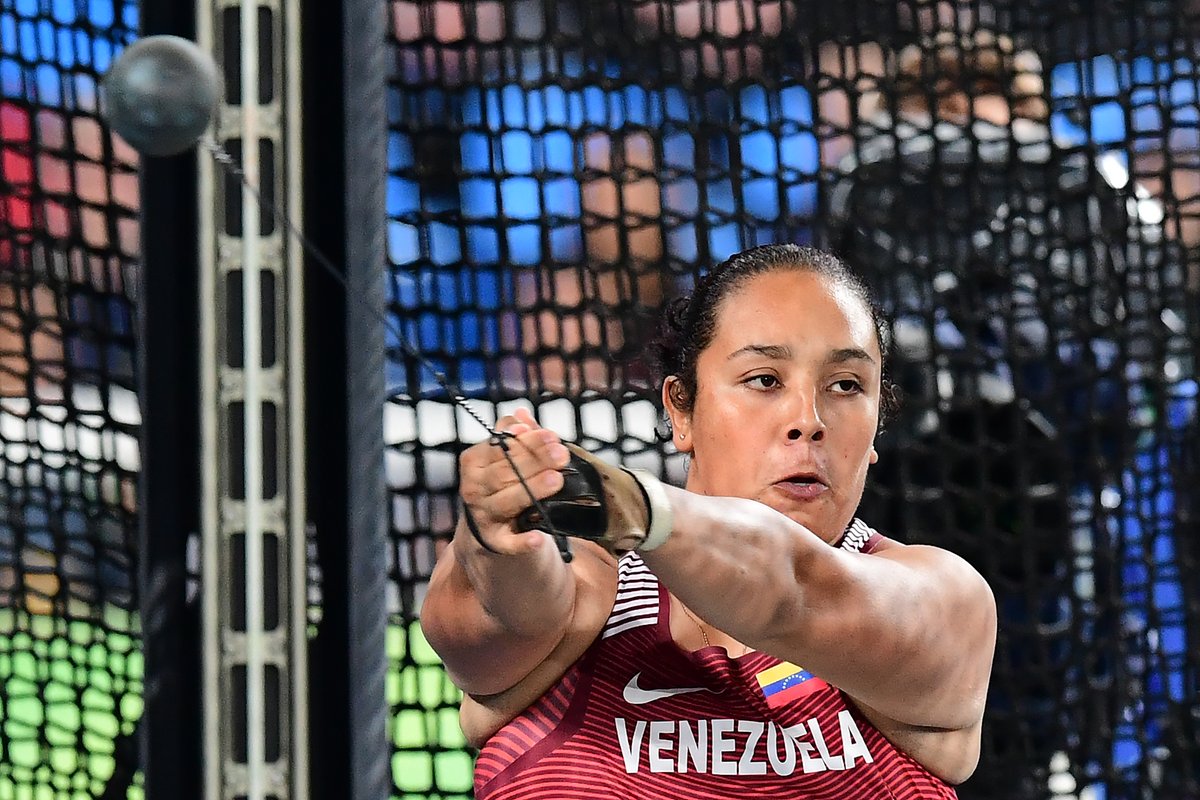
(947, 633)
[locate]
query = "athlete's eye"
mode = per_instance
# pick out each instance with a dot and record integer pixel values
(764, 381)
(846, 386)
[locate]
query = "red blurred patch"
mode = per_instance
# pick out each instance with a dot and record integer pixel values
(16, 180)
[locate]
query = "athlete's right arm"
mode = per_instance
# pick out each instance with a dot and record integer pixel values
(495, 617)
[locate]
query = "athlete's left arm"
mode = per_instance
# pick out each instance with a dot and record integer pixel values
(909, 632)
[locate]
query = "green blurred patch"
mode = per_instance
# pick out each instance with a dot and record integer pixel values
(68, 688)
(432, 761)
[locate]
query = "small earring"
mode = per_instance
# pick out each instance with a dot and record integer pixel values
(682, 436)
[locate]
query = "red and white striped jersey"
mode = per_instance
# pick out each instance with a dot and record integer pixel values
(638, 717)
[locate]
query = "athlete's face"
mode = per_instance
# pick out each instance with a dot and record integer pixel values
(787, 400)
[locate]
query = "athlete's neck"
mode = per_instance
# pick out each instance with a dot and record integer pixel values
(692, 633)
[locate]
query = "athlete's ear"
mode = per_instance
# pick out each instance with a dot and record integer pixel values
(681, 421)
(874, 457)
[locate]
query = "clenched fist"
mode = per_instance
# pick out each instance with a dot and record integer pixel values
(491, 491)
(619, 509)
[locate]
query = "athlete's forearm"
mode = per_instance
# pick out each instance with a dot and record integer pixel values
(740, 564)
(527, 594)
(909, 633)
(493, 618)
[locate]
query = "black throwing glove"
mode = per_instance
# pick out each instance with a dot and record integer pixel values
(618, 509)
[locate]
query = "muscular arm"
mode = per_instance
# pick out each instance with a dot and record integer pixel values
(909, 632)
(494, 617)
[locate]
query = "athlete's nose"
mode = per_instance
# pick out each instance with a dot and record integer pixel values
(806, 421)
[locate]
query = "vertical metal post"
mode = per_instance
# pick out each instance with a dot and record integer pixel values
(169, 499)
(346, 48)
(252, 458)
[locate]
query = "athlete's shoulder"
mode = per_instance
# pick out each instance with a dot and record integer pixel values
(880, 543)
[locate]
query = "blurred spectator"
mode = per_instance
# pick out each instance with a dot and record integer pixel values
(582, 191)
(648, 177)
(64, 214)
(725, 40)
(796, 67)
(1144, 108)
(1036, 304)
(552, 190)
(68, 415)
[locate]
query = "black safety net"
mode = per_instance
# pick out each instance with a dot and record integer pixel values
(70, 656)
(1018, 181)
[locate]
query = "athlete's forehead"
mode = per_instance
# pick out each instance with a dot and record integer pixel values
(794, 312)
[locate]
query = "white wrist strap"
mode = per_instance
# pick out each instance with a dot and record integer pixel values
(661, 516)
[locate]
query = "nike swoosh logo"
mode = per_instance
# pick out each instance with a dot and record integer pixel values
(637, 696)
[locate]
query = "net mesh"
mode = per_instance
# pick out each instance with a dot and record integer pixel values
(70, 658)
(1019, 183)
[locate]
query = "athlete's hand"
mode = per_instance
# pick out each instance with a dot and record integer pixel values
(493, 494)
(600, 502)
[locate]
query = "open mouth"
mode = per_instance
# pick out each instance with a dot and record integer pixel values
(804, 479)
(802, 486)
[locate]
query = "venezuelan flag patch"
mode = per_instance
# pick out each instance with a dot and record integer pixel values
(785, 683)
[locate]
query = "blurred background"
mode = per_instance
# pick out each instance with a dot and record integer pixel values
(224, 484)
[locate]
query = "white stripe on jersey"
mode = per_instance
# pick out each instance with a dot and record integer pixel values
(856, 537)
(637, 602)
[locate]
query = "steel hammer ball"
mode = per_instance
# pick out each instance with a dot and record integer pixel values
(160, 94)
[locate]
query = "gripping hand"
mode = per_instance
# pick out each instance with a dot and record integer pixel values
(619, 509)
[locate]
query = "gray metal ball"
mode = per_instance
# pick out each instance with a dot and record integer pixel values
(160, 94)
